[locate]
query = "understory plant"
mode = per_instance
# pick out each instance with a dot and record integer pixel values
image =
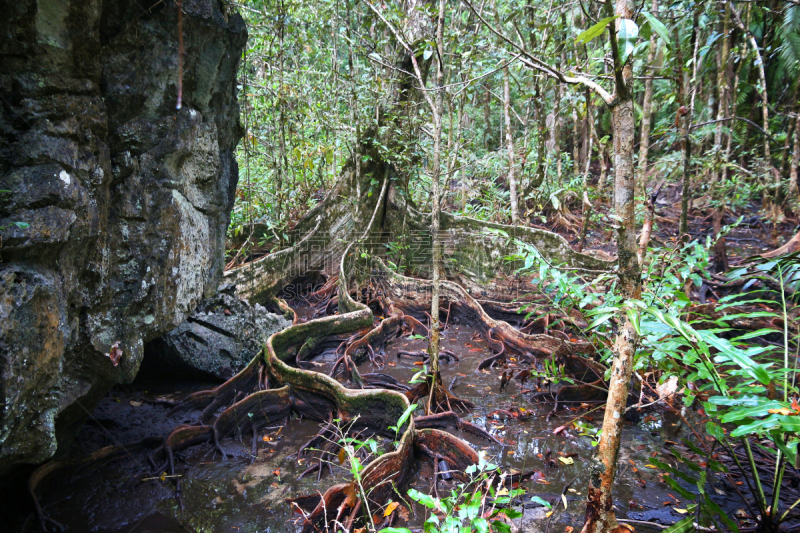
(743, 379)
(474, 506)
(745, 383)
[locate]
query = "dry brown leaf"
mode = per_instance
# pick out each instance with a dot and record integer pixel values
(351, 499)
(785, 411)
(390, 508)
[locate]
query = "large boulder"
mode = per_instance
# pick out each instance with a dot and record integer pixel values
(216, 341)
(114, 204)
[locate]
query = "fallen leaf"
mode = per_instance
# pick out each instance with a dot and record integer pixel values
(667, 388)
(350, 491)
(566, 460)
(418, 363)
(785, 411)
(559, 429)
(390, 508)
(135, 403)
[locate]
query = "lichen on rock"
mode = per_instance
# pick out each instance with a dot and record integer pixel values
(122, 200)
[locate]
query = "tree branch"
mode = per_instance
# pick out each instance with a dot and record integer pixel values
(537, 64)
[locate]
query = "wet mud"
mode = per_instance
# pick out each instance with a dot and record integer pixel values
(246, 492)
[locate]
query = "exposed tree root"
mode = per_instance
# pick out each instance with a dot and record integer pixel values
(449, 420)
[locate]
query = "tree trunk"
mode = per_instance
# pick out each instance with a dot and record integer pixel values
(587, 206)
(793, 189)
(647, 104)
(433, 346)
(686, 140)
(541, 137)
(487, 117)
(762, 90)
(512, 180)
(717, 179)
(600, 515)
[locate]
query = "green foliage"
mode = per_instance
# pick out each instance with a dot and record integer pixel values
(745, 385)
(596, 30)
(464, 509)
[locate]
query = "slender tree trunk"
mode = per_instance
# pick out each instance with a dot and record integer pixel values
(576, 134)
(353, 96)
(647, 104)
(283, 163)
(793, 189)
(717, 179)
(556, 133)
(600, 515)
(762, 90)
(512, 180)
(686, 141)
(487, 117)
(541, 137)
(433, 347)
(587, 206)
(733, 110)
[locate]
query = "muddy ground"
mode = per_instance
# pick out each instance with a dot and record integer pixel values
(245, 493)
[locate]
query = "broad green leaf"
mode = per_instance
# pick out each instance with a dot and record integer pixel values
(539, 500)
(627, 34)
(659, 28)
(684, 526)
(602, 319)
(502, 527)
(407, 413)
(481, 525)
(723, 516)
(424, 499)
(595, 30)
(678, 488)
